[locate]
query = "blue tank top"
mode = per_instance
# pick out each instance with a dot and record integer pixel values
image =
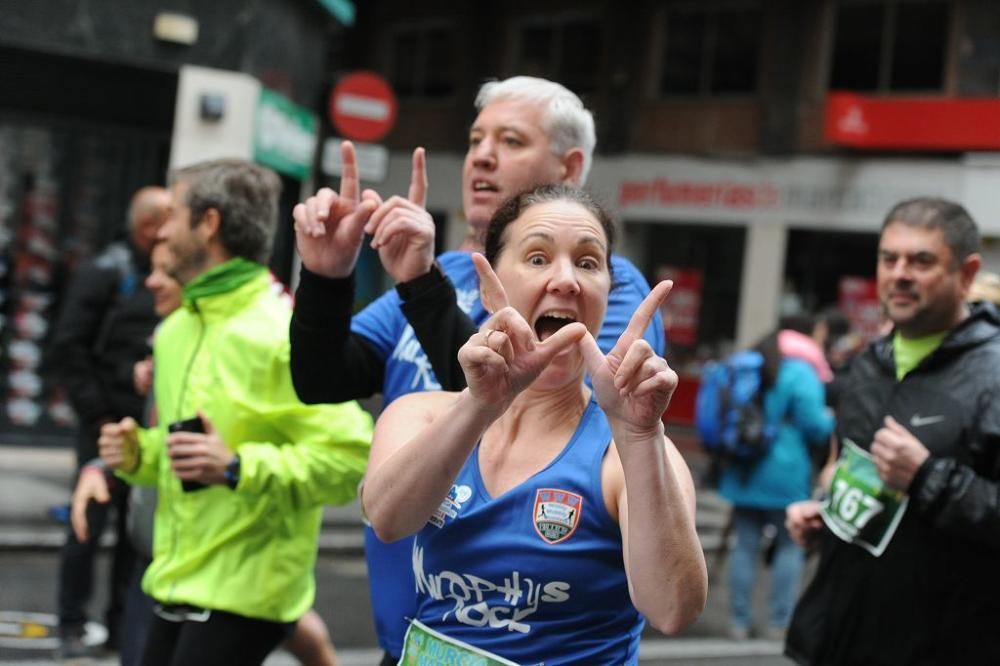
(535, 575)
(407, 370)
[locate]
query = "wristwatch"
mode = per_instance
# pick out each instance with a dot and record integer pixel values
(421, 283)
(232, 473)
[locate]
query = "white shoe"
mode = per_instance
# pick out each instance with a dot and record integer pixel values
(738, 633)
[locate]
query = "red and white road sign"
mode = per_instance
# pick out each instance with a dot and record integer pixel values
(363, 106)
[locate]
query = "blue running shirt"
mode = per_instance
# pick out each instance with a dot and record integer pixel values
(407, 370)
(535, 575)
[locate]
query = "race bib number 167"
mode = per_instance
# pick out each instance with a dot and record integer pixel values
(859, 509)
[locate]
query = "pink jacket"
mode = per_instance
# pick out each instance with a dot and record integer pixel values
(798, 345)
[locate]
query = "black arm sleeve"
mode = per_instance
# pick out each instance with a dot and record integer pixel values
(329, 363)
(955, 499)
(442, 328)
(87, 302)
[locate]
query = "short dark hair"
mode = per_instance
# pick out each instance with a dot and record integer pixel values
(801, 322)
(960, 231)
(837, 324)
(246, 197)
(512, 209)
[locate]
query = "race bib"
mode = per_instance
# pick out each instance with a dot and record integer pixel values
(425, 647)
(859, 509)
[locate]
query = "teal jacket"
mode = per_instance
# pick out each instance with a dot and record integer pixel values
(783, 476)
(249, 551)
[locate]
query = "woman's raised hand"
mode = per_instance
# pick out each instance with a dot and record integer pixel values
(632, 383)
(504, 357)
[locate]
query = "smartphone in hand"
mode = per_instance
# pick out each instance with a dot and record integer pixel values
(193, 424)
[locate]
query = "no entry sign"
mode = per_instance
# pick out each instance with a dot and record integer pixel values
(363, 107)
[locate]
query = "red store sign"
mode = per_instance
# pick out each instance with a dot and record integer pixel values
(683, 305)
(924, 123)
(858, 300)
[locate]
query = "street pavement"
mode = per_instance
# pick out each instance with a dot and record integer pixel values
(34, 480)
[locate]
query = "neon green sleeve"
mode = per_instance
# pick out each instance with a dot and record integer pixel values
(321, 461)
(312, 454)
(151, 445)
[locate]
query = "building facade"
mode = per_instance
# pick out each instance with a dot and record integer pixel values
(726, 146)
(90, 99)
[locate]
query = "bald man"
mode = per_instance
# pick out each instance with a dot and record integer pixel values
(103, 329)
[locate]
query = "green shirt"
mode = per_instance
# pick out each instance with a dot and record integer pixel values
(909, 352)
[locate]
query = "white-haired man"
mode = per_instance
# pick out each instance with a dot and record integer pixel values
(528, 132)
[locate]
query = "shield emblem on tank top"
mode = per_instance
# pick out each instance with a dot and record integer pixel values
(556, 514)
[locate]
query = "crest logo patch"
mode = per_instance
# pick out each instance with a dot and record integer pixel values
(556, 514)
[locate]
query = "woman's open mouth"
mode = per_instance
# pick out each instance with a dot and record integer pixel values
(550, 322)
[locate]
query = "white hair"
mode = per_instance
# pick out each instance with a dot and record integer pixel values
(568, 123)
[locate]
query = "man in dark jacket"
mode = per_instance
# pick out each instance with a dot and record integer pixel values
(104, 328)
(909, 536)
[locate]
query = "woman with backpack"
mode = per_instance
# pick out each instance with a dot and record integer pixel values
(792, 403)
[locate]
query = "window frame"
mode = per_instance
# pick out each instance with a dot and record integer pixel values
(887, 46)
(557, 22)
(711, 11)
(422, 29)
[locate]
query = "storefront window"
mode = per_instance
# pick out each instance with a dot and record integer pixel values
(816, 261)
(706, 264)
(709, 256)
(64, 191)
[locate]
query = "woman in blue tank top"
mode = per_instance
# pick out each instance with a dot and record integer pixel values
(552, 520)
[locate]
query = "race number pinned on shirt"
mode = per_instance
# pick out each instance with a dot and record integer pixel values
(859, 509)
(423, 645)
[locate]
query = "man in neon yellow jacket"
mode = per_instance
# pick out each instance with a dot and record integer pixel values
(240, 504)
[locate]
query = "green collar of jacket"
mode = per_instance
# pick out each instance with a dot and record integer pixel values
(222, 279)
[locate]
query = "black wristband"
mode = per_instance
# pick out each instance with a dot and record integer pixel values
(96, 462)
(419, 284)
(232, 474)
